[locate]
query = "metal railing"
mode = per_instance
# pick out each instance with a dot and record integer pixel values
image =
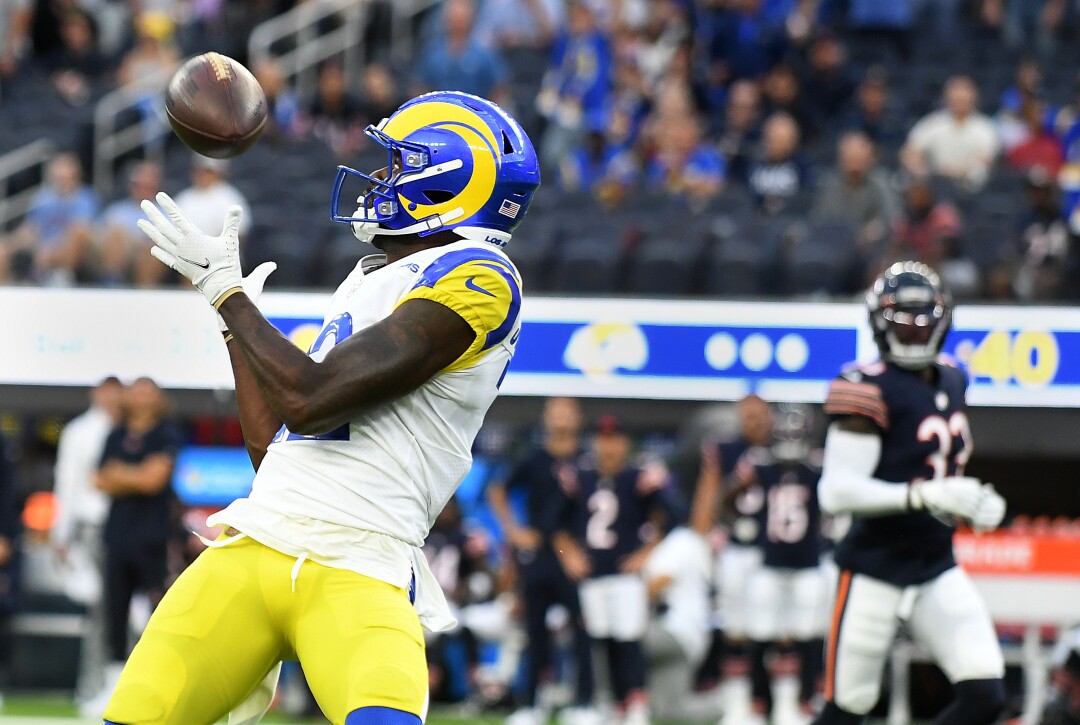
(311, 46)
(140, 107)
(15, 205)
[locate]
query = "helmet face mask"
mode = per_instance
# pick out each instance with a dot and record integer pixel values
(454, 162)
(910, 314)
(792, 428)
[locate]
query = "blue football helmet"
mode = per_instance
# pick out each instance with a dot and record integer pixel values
(454, 162)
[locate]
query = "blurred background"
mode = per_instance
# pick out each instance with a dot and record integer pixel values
(722, 179)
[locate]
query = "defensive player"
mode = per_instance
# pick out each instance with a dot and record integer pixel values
(358, 443)
(608, 526)
(787, 594)
(894, 459)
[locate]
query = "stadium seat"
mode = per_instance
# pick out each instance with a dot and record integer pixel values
(665, 267)
(736, 266)
(821, 262)
(588, 265)
(532, 250)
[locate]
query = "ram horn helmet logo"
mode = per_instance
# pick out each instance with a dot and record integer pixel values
(601, 349)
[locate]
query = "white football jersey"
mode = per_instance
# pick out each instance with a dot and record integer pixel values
(364, 496)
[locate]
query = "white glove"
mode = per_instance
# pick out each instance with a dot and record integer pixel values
(252, 286)
(955, 495)
(211, 263)
(990, 511)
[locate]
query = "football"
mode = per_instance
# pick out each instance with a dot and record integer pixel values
(216, 106)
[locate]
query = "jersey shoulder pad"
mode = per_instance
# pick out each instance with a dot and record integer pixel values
(482, 286)
(951, 371)
(857, 392)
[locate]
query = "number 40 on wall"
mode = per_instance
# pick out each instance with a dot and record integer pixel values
(1028, 357)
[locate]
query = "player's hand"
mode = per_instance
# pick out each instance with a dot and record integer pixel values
(524, 538)
(211, 263)
(635, 562)
(990, 511)
(955, 495)
(252, 286)
(575, 563)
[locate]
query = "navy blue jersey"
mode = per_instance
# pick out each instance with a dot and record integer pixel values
(137, 519)
(540, 475)
(924, 434)
(791, 521)
(611, 516)
(748, 507)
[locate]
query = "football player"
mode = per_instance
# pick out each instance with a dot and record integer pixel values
(607, 528)
(787, 594)
(894, 459)
(358, 443)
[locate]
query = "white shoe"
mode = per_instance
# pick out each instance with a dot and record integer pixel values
(94, 708)
(527, 716)
(580, 716)
(637, 715)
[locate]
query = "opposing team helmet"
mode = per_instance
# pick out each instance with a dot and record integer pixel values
(791, 432)
(454, 161)
(910, 314)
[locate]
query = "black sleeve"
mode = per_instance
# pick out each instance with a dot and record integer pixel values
(166, 440)
(670, 502)
(518, 475)
(9, 515)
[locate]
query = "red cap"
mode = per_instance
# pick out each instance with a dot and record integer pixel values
(609, 424)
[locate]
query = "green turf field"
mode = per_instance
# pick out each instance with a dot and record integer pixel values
(45, 711)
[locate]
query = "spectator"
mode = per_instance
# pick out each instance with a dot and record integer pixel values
(577, 83)
(543, 471)
(154, 58)
(210, 196)
(456, 60)
(1029, 23)
(135, 471)
(589, 167)
(513, 24)
(280, 97)
(125, 253)
(1039, 147)
(886, 22)
(926, 228)
(335, 114)
(778, 174)
(51, 244)
(9, 553)
(380, 96)
(783, 95)
(741, 129)
(77, 68)
(957, 142)
(827, 85)
(1044, 245)
(81, 510)
(1017, 102)
(875, 113)
(743, 42)
(683, 165)
(15, 19)
(856, 192)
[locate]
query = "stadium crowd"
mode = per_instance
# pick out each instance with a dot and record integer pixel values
(721, 147)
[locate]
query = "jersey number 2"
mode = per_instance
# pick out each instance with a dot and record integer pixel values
(936, 428)
(603, 510)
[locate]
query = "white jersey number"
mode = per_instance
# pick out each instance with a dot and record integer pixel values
(788, 517)
(603, 510)
(936, 428)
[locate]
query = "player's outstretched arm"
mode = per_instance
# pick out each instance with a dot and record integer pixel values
(258, 420)
(852, 452)
(373, 366)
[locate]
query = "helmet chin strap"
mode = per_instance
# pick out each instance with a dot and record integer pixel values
(912, 357)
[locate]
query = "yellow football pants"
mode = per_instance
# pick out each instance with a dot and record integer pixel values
(233, 614)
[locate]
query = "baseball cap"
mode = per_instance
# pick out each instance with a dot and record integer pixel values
(609, 424)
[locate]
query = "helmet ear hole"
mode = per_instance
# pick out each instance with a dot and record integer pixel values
(437, 196)
(508, 148)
